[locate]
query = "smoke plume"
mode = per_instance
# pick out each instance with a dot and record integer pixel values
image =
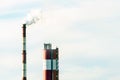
(33, 17)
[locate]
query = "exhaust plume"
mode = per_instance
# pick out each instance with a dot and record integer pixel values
(33, 17)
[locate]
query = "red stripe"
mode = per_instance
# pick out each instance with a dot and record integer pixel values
(24, 78)
(24, 30)
(47, 75)
(24, 56)
(54, 54)
(48, 53)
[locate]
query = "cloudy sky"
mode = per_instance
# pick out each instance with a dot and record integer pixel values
(87, 33)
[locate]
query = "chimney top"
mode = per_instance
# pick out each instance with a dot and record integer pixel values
(47, 46)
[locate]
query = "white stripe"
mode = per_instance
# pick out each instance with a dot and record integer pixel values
(57, 65)
(54, 64)
(47, 64)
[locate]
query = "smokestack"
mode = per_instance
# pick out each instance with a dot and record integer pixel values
(32, 17)
(50, 64)
(24, 53)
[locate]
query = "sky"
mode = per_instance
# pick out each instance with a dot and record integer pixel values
(86, 32)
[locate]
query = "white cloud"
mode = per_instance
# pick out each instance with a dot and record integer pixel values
(87, 10)
(13, 6)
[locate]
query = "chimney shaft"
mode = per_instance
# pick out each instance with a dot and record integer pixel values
(24, 53)
(50, 64)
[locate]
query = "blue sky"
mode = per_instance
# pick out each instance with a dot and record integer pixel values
(86, 32)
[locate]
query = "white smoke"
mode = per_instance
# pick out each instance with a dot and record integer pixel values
(33, 17)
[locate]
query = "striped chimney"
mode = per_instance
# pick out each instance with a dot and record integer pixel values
(24, 53)
(50, 63)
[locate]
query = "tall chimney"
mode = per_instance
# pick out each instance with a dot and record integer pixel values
(24, 52)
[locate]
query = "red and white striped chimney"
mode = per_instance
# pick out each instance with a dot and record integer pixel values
(50, 63)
